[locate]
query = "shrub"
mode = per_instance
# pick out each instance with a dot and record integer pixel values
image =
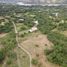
(2, 56)
(9, 61)
(36, 45)
(22, 35)
(34, 61)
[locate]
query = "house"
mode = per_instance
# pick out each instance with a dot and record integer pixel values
(33, 29)
(56, 14)
(21, 19)
(36, 23)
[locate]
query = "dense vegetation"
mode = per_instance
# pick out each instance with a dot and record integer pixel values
(58, 54)
(7, 27)
(8, 43)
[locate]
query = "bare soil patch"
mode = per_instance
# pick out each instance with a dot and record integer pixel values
(2, 35)
(36, 44)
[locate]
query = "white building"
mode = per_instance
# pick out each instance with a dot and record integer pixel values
(33, 29)
(36, 23)
(56, 14)
(21, 19)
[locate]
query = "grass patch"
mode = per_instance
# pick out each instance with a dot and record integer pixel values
(23, 58)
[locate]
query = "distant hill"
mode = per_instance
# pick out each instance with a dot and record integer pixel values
(35, 1)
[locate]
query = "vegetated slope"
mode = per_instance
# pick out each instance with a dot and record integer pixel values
(58, 54)
(8, 43)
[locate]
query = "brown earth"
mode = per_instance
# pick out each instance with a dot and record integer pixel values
(2, 35)
(36, 44)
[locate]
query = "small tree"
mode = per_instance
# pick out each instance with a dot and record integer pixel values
(34, 61)
(2, 56)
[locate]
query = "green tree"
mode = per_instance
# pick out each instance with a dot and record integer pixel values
(34, 61)
(2, 56)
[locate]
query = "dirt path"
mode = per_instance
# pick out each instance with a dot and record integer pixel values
(17, 40)
(18, 60)
(3, 34)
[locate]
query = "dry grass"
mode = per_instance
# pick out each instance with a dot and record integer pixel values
(22, 58)
(36, 44)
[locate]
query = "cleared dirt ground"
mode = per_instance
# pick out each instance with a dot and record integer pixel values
(36, 43)
(2, 35)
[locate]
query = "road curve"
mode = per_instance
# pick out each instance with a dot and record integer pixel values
(18, 44)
